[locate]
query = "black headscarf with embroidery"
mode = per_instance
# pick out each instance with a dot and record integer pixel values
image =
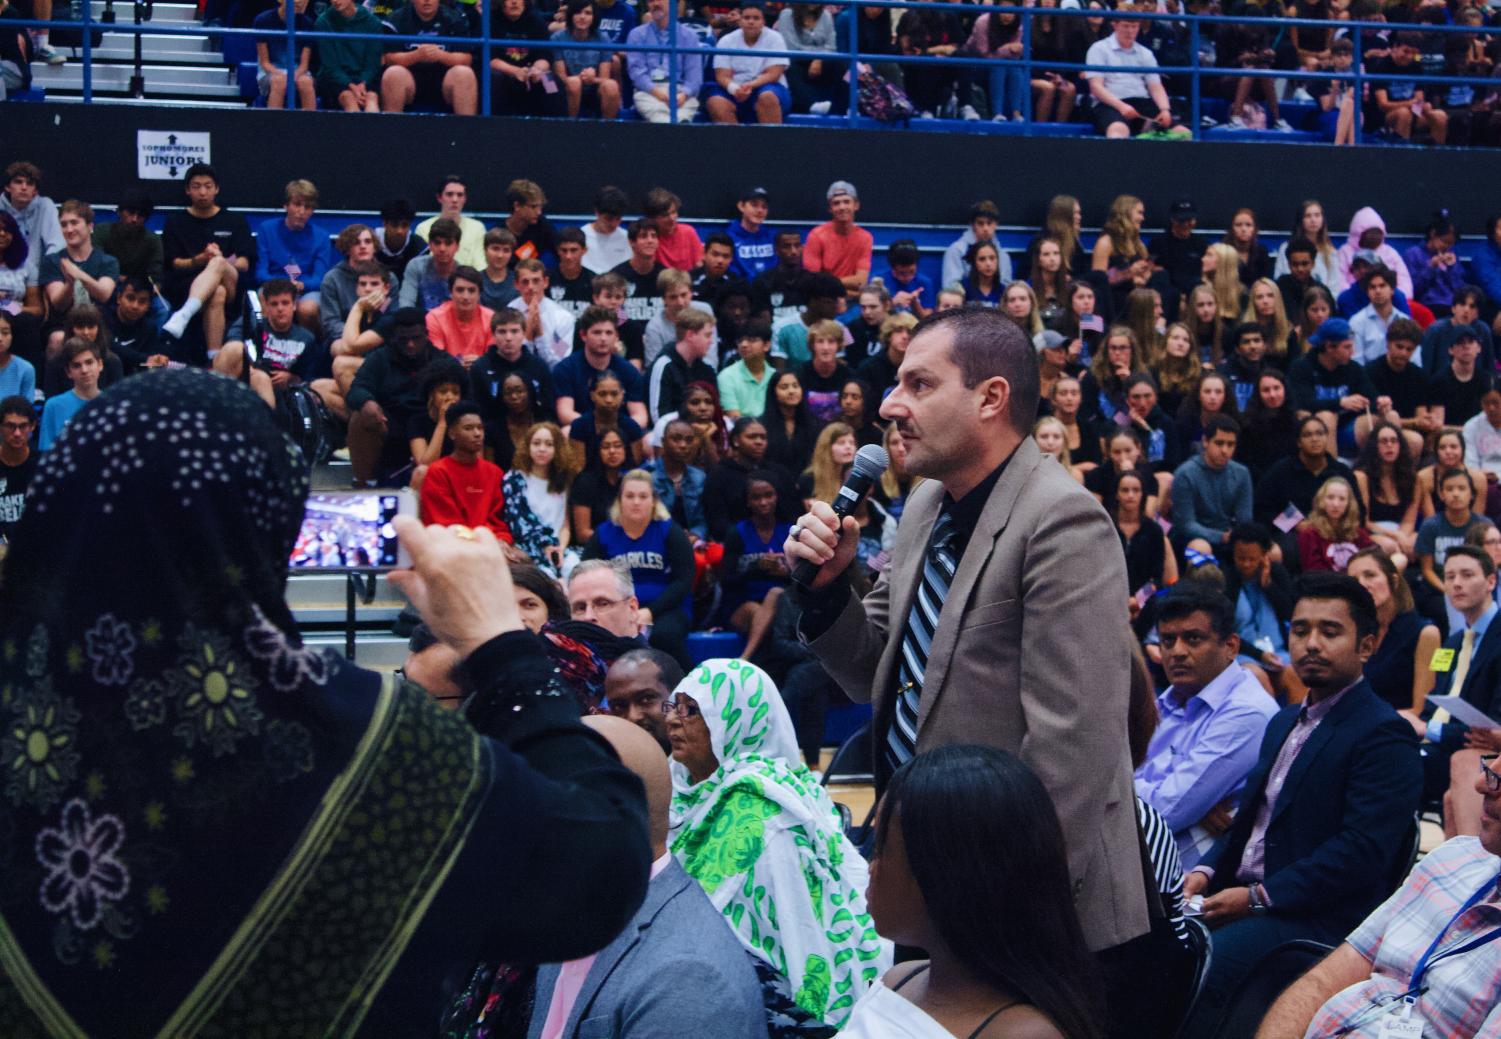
(163, 731)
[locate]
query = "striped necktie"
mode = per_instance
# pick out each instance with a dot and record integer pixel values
(938, 569)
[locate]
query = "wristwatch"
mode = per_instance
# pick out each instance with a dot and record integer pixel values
(1257, 905)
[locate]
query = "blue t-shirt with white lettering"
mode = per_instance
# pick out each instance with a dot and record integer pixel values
(646, 555)
(754, 251)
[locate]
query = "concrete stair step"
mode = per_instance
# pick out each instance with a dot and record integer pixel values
(204, 81)
(159, 12)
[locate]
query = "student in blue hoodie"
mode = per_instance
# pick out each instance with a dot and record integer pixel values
(291, 247)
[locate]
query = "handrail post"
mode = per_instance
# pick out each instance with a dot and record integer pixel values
(854, 70)
(673, 63)
(291, 98)
(1357, 101)
(1194, 93)
(1026, 70)
(484, 69)
(88, 51)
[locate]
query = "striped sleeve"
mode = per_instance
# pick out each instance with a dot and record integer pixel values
(1167, 871)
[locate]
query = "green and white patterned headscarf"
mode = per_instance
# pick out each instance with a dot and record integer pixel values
(765, 842)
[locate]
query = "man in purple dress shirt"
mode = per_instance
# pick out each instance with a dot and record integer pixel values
(1212, 719)
(1327, 812)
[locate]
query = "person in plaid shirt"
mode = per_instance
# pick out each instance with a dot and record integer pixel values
(1450, 909)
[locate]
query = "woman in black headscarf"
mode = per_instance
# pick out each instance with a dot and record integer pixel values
(207, 827)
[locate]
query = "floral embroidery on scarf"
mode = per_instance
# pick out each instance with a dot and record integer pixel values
(215, 693)
(83, 870)
(39, 748)
(111, 647)
(290, 666)
(146, 704)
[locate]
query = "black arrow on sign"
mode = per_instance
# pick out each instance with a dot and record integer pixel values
(171, 138)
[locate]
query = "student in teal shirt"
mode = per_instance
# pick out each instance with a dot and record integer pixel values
(742, 386)
(85, 362)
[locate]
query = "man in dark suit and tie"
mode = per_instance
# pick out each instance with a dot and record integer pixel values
(1468, 666)
(1327, 810)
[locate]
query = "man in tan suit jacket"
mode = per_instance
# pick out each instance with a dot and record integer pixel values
(1031, 652)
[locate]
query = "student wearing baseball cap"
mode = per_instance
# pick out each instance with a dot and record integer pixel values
(840, 247)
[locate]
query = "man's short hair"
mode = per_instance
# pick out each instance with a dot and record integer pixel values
(397, 211)
(78, 208)
(986, 344)
(459, 409)
(135, 283)
(445, 229)
(453, 178)
(902, 253)
(607, 282)
(639, 228)
(345, 240)
(1464, 335)
(672, 278)
(669, 671)
(660, 201)
(1408, 38)
(1325, 585)
(24, 170)
(985, 209)
(1302, 245)
(572, 236)
(370, 269)
(788, 232)
(1471, 294)
(693, 320)
(301, 190)
(611, 201)
(469, 274)
(523, 192)
(499, 236)
(442, 371)
(905, 321)
(1246, 328)
(1251, 534)
(1404, 330)
(79, 345)
(1381, 271)
(1221, 424)
(506, 316)
(278, 287)
(617, 567)
(826, 330)
(134, 200)
(201, 169)
(406, 321)
(1190, 597)
(754, 329)
(1480, 555)
(596, 315)
(823, 285)
(532, 265)
(17, 405)
(720, 238)
(1456, 474)
(1343, 45)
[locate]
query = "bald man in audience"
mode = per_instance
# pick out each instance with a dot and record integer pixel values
(677, 968)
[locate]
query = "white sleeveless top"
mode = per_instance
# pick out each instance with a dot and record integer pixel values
(884, 1013)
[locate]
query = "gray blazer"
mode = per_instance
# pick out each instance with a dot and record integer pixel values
(1032, 655)
(676, 969)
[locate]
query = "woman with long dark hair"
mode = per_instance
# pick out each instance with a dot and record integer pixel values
(20, 296)
(1311, 224)
(966, 836)
(594, 491)
(1387, 480)
(791, 429)
(725, 484)
(1269, 430)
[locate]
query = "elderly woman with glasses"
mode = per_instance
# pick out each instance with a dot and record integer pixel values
(762, 838)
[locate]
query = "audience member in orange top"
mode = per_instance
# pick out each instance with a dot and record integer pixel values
(678, 245)
(463, 489)
(461, 326)
(839, 246)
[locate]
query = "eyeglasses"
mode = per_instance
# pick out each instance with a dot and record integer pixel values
(682, 706)
(1492, 778)
(578, 609)
(16, 427)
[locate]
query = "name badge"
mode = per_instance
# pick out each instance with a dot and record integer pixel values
(1399, 1026)
(1443, 660)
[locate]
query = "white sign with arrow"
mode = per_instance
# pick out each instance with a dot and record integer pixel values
(166, 154)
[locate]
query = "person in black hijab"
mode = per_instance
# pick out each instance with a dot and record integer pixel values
(208, 827)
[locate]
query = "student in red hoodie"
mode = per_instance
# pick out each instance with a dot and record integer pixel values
(463, 488)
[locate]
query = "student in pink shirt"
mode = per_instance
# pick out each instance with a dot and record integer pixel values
(461, 326)
(678, 245)
(839, 247)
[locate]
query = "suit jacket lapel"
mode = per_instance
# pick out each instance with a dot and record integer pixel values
(976, 554)
(658, 893)
(1490, 645)
(1322, 734)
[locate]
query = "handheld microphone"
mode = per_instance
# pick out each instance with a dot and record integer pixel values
(870, 462)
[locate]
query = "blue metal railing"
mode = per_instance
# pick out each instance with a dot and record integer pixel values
(1193, 24)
